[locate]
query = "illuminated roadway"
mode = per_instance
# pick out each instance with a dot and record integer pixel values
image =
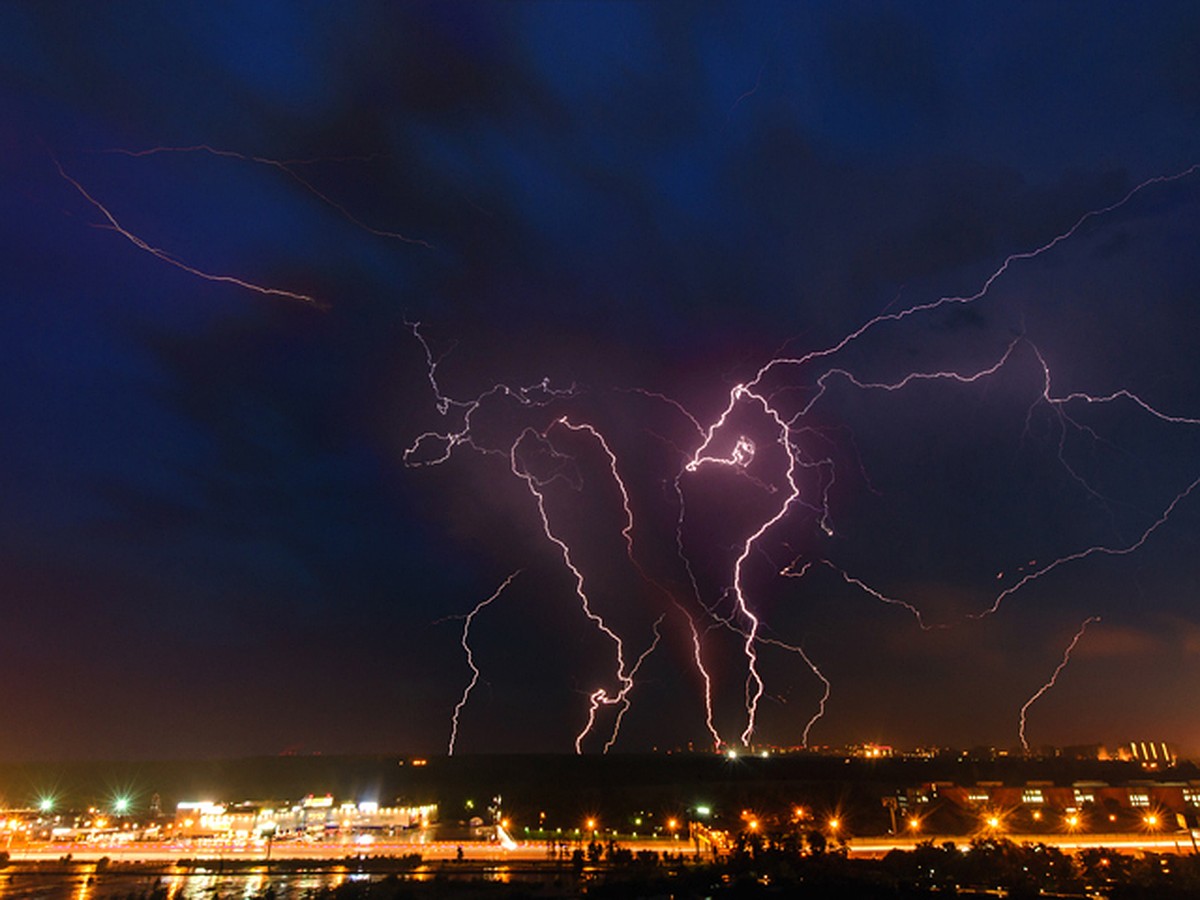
(173, 851)
(528, 851)
(1175, 842)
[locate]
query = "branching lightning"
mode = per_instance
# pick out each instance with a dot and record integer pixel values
(775, 461)
(624, 673)
(1053, 678)
(787, 427)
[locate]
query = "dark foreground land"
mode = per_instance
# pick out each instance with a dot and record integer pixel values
(764, 866)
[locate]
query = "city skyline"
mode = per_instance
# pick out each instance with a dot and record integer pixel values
(488, 378)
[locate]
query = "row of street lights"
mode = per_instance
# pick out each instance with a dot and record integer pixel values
(1072, 821)
(992, 821)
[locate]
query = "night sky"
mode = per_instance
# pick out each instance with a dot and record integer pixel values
(212, 541)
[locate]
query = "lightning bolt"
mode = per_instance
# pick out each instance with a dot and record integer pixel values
(288, 167)
(1053, 678)
(158, 253)
(627, 534)
(740, 457)
(466, 645)
(600, 698)
(624, 675)
(983, 291)
(825, 682)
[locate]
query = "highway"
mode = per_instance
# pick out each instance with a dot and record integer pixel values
(483, 851)
(1175, 842)
(173, 851)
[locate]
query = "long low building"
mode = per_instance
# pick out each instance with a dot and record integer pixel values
(1044, 805)
(313, 816)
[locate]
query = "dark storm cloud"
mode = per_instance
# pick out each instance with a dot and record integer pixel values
(615, 196)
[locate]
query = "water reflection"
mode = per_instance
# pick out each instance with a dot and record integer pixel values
(84, 883)
(196, 885)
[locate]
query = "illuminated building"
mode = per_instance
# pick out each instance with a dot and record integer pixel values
(313, 817)
(872, 751)
(1048, 801)
(1151, 754)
